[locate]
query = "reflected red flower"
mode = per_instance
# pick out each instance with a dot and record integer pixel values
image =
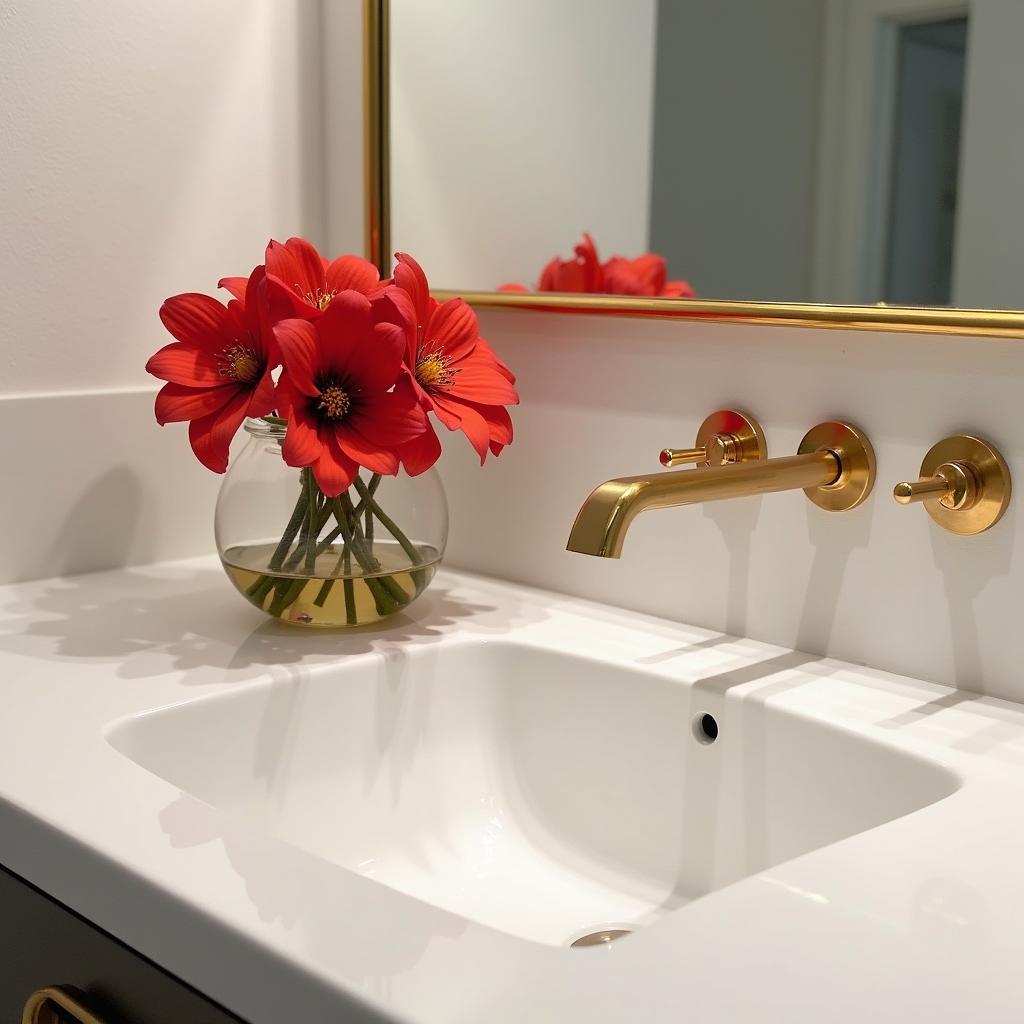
(339, 390)
(301, 283)
(453, 371)
(645, 275)
(218, 370)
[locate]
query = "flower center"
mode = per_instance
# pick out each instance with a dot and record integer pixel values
(432, 370)
(319, 298)
(334, 401)
(239, 363)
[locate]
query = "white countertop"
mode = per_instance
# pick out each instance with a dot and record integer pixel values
(921, 918)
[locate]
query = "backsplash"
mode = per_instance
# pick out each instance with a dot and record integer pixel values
(92, 482)
(881, 585)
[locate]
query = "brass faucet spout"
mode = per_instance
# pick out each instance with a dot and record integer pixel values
(601, 525)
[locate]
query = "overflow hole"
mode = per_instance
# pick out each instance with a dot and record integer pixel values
(705, 728)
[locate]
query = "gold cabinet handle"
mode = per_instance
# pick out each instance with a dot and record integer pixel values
(724, 437)
(58, 1004)
(964, 485)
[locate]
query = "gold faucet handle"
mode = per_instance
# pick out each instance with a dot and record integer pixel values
(724, 437)
(964, 484)
(954, 485)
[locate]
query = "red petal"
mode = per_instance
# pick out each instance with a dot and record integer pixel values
(678, 290)
(453, 327)
(299, 344)
(334, 470)
(479, 380)
(472, 424)
(485, 348)
(210, 436)
(184, 363)
(388, 418)
(410, 278)
(235, 285)
(621, 279)
(499, 423)
(512, 288)
(449, 412)
(376, 363)
(375, 459)
(283, 302)
(298, 265)
(343, 330)
(301, 446)
(199, 320)
(175, 403)
(352, 272)
(419, 454)
(263, 399)
(650, 268)
(586, 253)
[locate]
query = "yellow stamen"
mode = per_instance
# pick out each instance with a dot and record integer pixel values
(318, 298)
(239, 363)
(432, 369)
(334, 402)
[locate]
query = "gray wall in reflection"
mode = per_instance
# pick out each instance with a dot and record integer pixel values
(737, 88)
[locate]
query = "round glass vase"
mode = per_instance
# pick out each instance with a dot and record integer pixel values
(315, 561)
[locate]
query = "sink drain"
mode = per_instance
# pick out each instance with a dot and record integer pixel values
(600, 938)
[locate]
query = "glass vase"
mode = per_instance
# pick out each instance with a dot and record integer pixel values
(315, 561)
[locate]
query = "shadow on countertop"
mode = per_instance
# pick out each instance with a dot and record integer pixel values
(188, 619)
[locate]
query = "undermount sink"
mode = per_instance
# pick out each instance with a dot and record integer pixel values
(544, 794)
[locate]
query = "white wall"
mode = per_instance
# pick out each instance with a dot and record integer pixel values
(483, 194)
(146, 149)
(881, 585)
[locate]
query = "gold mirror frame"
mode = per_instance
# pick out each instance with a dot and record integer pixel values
(377, 144)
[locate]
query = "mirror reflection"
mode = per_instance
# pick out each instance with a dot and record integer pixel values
(832, 151)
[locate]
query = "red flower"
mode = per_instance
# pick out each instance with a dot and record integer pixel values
(301, 283)
(454, 372)
(646, 275)
(338, 391)
(218, 371)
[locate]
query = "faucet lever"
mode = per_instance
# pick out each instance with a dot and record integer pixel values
(724, 437)
(964, 485)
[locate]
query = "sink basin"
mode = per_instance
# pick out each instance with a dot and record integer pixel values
(542, 793)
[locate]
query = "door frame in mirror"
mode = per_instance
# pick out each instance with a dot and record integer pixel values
(880, 317)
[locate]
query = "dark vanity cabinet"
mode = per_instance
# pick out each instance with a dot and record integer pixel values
(90, 976)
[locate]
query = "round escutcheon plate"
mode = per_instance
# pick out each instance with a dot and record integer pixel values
(744, 429)
(857, 458)
(993, 480)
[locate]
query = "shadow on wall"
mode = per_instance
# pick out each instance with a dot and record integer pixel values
(991, 557)
(100, 528)
(834, 538)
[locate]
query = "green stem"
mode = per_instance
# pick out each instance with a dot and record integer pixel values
(336, 532)
(286, 594)
(419, 575)
(388, 523)
(314, 529)
(388, 582)
(298, 516)
(386, 604)
(350, 600)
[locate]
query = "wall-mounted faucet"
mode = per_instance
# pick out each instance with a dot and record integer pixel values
(835, 466)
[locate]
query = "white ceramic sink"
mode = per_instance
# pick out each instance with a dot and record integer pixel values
(536, 791)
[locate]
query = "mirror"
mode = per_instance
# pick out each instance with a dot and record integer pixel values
(847, 152)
